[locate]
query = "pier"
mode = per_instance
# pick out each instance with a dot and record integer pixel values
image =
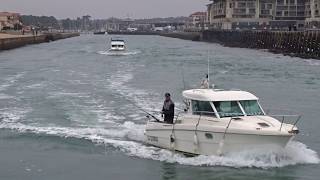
(14, 41)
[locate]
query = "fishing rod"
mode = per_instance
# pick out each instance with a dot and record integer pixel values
(139, 108)
(182, 72)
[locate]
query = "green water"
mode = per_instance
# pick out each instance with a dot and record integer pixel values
(65, 111)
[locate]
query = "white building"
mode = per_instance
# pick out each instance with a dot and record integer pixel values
(261, 14)
(198, 19)
(313, 14)
(9, 20)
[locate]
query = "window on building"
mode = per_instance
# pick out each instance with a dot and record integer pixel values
(241, 4)
(279, 13)
(301, 2)
(252, 11)
(251, 4)
(280, 2)
(292, 13)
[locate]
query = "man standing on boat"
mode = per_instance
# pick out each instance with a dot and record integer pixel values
(168, 109)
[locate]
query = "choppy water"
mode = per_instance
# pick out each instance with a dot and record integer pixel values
(65, 110)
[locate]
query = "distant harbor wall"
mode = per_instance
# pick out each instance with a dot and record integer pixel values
(193, 36)
(304, 44)
(300, 44)
(14, 42)
(132, 33)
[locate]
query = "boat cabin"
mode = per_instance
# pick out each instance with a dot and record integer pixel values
(222, 103)
(117, 44)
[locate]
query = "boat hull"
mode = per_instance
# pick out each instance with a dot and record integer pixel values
(212, 143)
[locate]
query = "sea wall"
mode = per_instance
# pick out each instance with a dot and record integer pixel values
(132, 33)
(193, 36)
(301, 44)
(14, 42)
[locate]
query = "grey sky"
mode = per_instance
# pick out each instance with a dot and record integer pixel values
(105, 8)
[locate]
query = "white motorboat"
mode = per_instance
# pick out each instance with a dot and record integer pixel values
(117, 45)
(216, 122)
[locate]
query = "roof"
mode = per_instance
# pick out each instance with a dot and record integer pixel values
(9, 14)
(199, 14)
(117, 42)
(218, 95)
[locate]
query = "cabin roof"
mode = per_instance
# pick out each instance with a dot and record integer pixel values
(120, 40)
(218, 95)
(117, 42)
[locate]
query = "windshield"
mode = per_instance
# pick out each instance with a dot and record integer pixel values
(251, 107)
(228, 109)
(202, 107)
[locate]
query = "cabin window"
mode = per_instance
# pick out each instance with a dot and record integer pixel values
(251, 107)
(202, 107)
(228, 109)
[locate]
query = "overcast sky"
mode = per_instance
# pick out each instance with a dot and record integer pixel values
(105, 8)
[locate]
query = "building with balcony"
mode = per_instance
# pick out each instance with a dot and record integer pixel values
(312, 12)
(10, 20)
(198, 19)
(261, 14)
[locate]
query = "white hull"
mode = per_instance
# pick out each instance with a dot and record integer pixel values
(216, 122)
(211, 142)
(117, 49)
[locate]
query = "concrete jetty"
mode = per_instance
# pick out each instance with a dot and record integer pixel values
(8, 41)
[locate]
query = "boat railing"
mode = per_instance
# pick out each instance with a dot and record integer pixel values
(285, 117)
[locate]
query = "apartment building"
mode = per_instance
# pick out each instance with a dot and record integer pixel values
(9, 20)
(261, 14)
(198, 19)
(312, 12)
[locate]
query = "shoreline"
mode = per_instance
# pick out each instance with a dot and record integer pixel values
(8, 41)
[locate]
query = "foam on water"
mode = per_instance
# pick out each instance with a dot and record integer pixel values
(118, 83)
(10, 80)
(294, 153)
(312, 62)
(128, 137)
(125, 53)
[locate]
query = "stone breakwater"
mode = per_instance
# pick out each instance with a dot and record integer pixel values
(193, 36)
(18, 41)
(299, 44)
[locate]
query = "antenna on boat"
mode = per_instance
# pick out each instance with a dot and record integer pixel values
(182, 73)
(208, 69)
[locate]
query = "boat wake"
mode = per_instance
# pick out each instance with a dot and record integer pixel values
(128, 138)
(125, 53)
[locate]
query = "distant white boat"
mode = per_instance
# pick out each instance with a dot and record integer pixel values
(117, 45)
